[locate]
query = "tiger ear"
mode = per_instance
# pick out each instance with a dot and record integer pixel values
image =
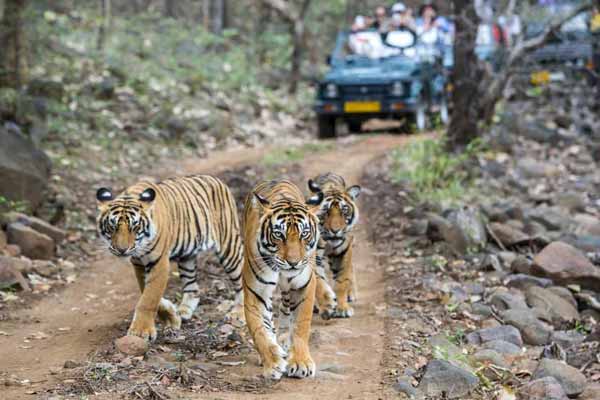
(315, 200)
(354, 192)
(104, 195)
(148, 195)
(313, 186)
(261, 202)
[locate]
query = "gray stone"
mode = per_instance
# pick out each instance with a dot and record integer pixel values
(524, 281)
(567, 339)
(592, 392)
(505, 333)
(564, 293)
(585, 224)
(502, 347)
(547, 388)
(489, 356)
(533, 330)
(521, 265)
(404, 385)
(507, 235)
(571, 379)
(33, 244)
(504, 299)
(566, 265)
(443, 378)
(531, 168)
(550, 218)
(559, 309)
(57, 234)
(10, 276)
(24, 170)
(585, 243)
(481, 309)
(463, 230)
(571, 201)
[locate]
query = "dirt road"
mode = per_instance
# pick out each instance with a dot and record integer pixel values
(86, 313)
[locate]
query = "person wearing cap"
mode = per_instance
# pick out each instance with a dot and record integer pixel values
(381, 21)
(402, 17)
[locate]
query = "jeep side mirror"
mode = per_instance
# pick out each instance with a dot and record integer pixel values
(328, 60)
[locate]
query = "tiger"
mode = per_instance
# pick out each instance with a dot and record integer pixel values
(281, 232)
(173, 220)
(338, 214)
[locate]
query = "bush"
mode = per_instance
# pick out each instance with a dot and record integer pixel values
(433, 173)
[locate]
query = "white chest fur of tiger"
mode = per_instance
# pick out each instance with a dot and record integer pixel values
(281, 236)
(338, 214)
(174, 220)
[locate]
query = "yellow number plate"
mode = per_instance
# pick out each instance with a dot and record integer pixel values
(362, 106)
(540, 77)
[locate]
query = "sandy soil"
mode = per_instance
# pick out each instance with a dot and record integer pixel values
(86, 313)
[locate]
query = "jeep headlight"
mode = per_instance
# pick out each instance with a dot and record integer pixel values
(331, 90)
(397, 89)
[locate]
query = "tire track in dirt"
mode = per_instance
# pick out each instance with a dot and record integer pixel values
(349, 351)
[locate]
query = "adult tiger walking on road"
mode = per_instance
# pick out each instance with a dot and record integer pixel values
(281, 235)
(174, 220)
(338, 213)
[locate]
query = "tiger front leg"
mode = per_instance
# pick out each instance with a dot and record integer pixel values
(259, 318)
(302, 298)
(344, 283)
(145, 312)
(325, 295)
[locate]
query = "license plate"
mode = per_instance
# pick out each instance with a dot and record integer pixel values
(362, 106)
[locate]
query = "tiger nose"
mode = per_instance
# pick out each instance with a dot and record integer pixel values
(293, 263)
(335, 231)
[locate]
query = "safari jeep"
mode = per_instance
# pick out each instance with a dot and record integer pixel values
(392, 80)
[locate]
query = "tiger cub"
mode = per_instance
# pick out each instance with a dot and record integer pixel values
(174, 220)
(337, 214)
(281, 235)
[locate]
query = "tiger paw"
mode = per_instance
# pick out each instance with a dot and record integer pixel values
(168, 315)
(301, 367)
(328, 313)
(237, 314)
(275, 367)
(185, 312)
(143, 326)
(344, 311)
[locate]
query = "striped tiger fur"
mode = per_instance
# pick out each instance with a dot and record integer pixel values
(338, 214)
(281, 236)
(174, 220)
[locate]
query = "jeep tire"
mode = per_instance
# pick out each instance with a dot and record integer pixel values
(326, 126)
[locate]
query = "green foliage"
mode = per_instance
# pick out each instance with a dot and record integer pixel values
(7, 205)
(434, 174)
(294, 154)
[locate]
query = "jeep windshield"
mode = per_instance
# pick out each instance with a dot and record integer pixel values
(541, 16)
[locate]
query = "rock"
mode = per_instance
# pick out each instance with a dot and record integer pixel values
(70, 364)
(571, 201)
(583, 354)
(521, 265)
(524, 281)
(550, 217)
(463, 230)
(24, 170)
(491, 262)
(566, 265)
(537, 131)
(564, 293)
(489, 356)
(443, 378)
(504, 299)
(417, 228)
(44, 268)
(507, 257)
(132, 345)
(3, 240)
(531, 168)
(559, 309)
(507, 235)
(12, 250)
(567, 339)
(505, 333)
(404, 385)
(547, 388)
(33, 244)
(585, 224)
(11, 277)
(445, 350)
(502, 347)
(572, 381)
(533, 330)
(592, 392)
(585, 243)
(57, 234)
(23, 265)
(481, 309)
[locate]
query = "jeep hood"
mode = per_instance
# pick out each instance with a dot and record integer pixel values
(373, 72)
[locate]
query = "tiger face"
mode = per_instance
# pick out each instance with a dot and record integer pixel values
(125, 222)
(288, 234)
(338, 213)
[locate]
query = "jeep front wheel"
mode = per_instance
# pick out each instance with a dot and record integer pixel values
(326, 126)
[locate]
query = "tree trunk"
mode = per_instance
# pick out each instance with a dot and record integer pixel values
(297, 33)
(14, 71)
(218, 16)
(466, 76)
(170, 9)
(104, 25)
(206, 14)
